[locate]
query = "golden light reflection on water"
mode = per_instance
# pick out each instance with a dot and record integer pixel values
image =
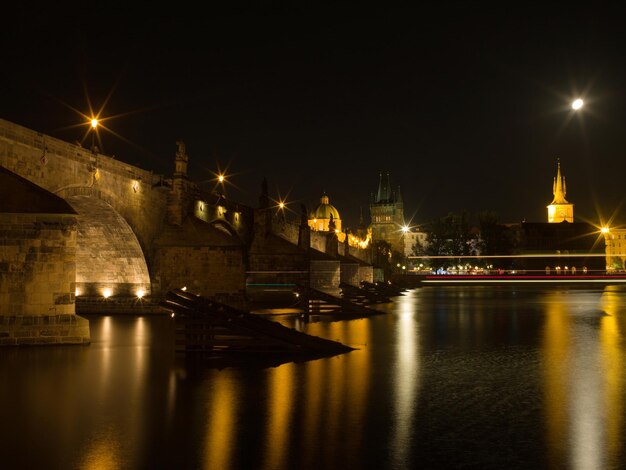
(280, 413)
(223, 405)
(406, 380)
(102, 454)
(314, 398)
(613, 366)
(104, 377)
(344, 384)
(583, 380)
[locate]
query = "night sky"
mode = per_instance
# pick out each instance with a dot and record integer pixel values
(467, 108)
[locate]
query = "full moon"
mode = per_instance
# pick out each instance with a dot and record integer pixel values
(577, 104)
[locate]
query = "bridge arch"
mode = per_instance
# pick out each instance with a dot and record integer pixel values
(109, 258)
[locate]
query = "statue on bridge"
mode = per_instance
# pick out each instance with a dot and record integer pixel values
(181, 159)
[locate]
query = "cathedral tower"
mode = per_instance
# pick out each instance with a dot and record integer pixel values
(559, 209)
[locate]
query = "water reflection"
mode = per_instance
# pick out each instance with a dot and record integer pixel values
(583, 379)
(406, 381)
(222, 403)
(280, 395)
(448, 378)
(612, 352)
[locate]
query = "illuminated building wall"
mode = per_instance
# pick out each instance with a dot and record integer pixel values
(413, 238)
(615, 250)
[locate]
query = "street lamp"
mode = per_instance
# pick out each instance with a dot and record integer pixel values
(577, 104)
(94, 130)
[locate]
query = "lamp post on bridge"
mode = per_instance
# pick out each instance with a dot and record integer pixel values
(94, 127)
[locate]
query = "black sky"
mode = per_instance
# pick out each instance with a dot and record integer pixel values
(466, 106)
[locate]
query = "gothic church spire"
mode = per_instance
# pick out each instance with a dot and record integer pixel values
(559, 188)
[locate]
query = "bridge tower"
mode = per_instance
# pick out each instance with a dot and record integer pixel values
(387, 214)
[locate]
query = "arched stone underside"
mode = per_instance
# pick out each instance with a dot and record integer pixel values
(109, 258)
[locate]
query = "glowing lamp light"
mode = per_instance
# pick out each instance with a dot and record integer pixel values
(604, 230)
(106, 293)
(281, 205)
(94, 123)
(140, 293)
(577, 104)
(77, 292)
(220, 178)
(405, 228)
(184, 289)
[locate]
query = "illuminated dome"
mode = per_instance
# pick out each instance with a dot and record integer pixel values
(320, 217)
(324, 210)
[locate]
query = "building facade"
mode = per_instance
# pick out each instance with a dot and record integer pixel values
(615, 250)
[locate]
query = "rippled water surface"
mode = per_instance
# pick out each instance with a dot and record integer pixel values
(448, 377)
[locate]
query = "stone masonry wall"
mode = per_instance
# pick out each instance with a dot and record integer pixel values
(108, 258)
(366, 273)
(350, 274)
(318, 240)
(206, 271)
(325, 276)
(37, 264)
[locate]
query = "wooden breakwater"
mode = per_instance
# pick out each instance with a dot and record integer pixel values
(315, 302)
(204, 325)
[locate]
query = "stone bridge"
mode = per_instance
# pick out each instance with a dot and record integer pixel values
(83, 232)
(140, 234)
(122, 209)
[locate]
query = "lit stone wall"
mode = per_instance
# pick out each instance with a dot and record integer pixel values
(204, 270)
(354, 273)
(350, 274)
(319, 240)
(109, 260)
(287, 230)
(37, 265)
(325, 276)
(366, 273)
(364, 255)
(37, 274)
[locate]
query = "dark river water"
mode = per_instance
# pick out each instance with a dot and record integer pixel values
(449, 377)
